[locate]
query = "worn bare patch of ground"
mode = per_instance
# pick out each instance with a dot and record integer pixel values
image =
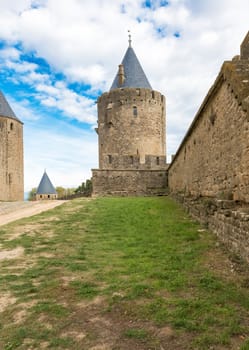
(21, 313)
(12, 211)
(12, 254)
(27, 229)
(6, 300)
(74, 335)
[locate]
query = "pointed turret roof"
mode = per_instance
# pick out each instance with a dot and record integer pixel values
(45, 186)
(134, 76)
(5, 109)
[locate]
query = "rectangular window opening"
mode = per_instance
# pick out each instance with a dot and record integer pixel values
(134, 111)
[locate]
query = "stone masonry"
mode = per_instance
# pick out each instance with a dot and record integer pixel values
(11, 154)
(228, 219)
(210, 171)
(131, 122)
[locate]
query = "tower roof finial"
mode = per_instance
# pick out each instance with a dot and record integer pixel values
(129, 35)
(130, 73)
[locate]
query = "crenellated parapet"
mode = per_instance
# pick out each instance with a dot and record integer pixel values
(116, 161)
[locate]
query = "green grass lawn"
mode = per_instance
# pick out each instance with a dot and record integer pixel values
(119, 273)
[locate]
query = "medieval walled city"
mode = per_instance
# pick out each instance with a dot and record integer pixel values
(209, 174)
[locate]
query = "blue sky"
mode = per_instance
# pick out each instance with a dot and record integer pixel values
(58, 56)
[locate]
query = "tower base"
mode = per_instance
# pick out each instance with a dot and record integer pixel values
(133, 182)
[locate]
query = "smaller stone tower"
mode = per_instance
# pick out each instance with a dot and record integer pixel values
(46, 189)
(131, 132)
(11, 153)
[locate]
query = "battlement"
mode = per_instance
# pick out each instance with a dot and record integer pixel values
(133, 161)
(131, 95)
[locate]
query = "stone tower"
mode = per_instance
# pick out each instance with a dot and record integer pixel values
(11, 153)
(131, 132)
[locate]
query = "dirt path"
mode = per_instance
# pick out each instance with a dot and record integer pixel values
(12, 211)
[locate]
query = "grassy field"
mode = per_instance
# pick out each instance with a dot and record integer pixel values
(119, 273)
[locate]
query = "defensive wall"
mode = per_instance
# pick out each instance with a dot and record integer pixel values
(210, 172)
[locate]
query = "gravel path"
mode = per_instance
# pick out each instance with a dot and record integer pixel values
(11, 211)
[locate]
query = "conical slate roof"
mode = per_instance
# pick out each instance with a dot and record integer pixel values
(5, 109)
(45, 186)
(133, 71)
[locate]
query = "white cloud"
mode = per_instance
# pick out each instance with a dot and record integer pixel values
(95, 74)
(51, 94)
(23, 110)
(70, 103)
(20, 67)
(10, 53)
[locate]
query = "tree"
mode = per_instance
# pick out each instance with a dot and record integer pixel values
(64, 192)
(89, 187)
(85, 188)
(32, 193)
(61, 191)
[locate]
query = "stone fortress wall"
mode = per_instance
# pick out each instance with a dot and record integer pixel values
(123, 182)
(11, 159)
(210, 171)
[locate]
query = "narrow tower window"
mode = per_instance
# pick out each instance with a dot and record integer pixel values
(134, 111)
(11, 126)
(157, 160)
(109, 158)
